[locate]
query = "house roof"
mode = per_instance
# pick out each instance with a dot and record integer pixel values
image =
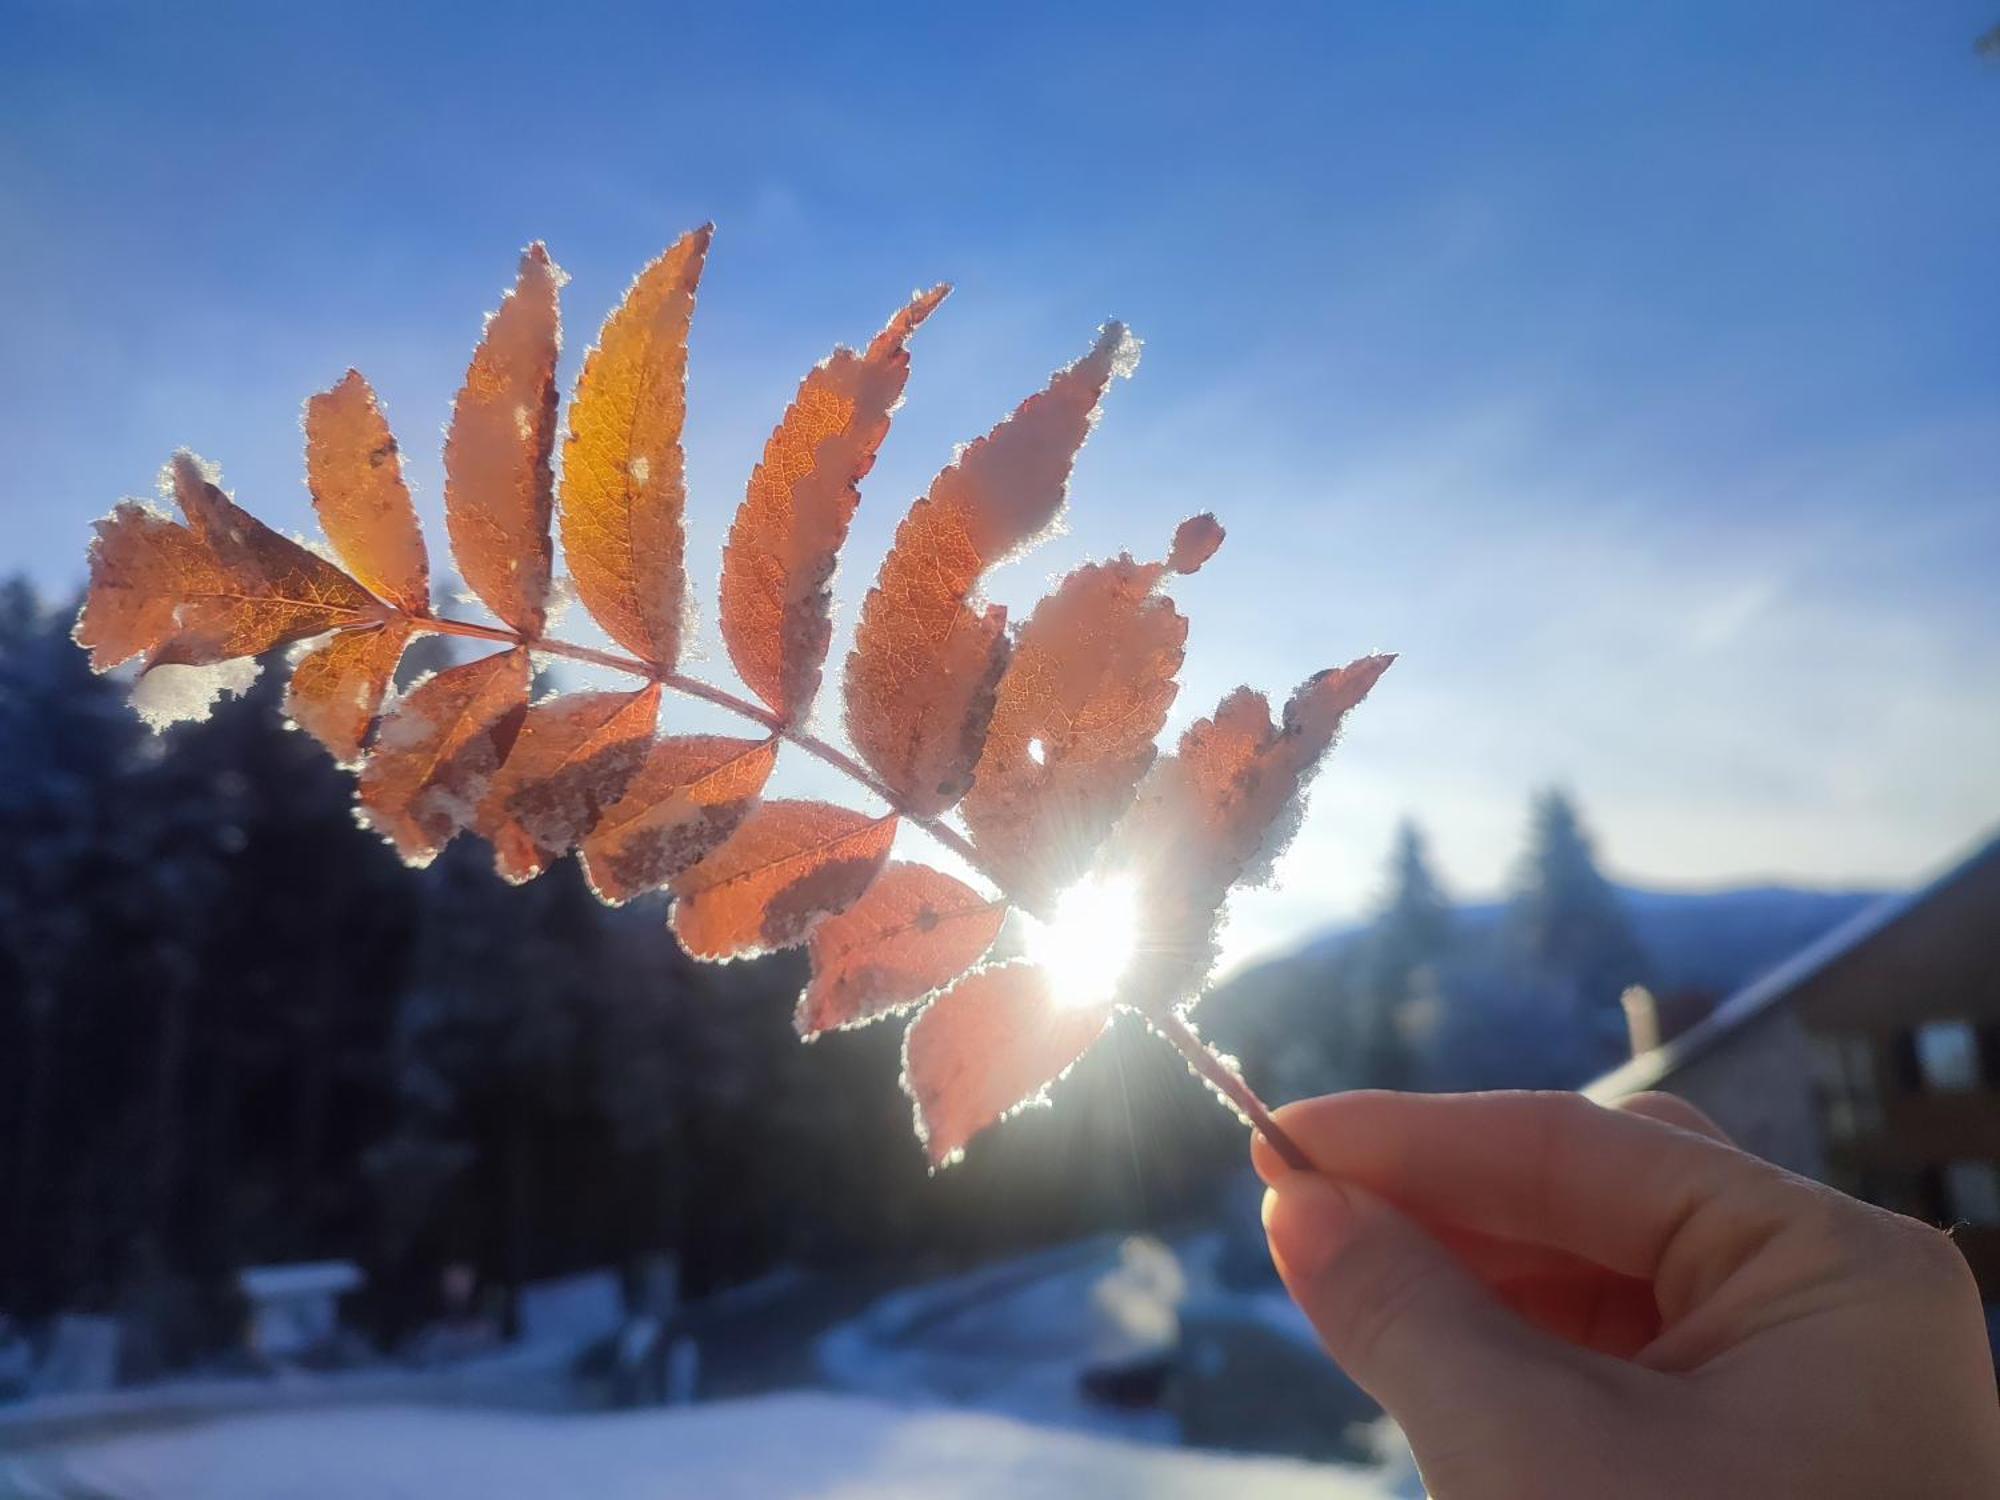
(1650, 1069)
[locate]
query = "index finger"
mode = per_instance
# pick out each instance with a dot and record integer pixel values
(1547, 1168)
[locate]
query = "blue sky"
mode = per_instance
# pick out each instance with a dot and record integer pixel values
(1631, 369)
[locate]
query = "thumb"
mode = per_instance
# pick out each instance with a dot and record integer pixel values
(1404, 1319)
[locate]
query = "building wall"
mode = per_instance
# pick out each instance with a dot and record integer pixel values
(1758, 1089)
(1874, 1066)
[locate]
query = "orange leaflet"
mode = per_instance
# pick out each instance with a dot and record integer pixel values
(682, 804)
(788, 865)
(572, 758)
(337, 687)
(1090, 683)
(355, 474)
(437, 751)
(986, 1047)
(497, 484)
(920, 679)
(1220, 811)
(914, 931)
(143, 570)
(1195, 541)
(777, 570)
(624, 484)
(223, 586)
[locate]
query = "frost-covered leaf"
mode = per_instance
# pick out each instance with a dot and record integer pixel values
(988, 1046)
(337, 688)
(915, 931)
(144, 569)
(355, 474)
(1195, 541)
(224, 585)
(573, 757)
(921, 677)
(777, 570)
(437, 751)
(1089, 686)
(1217, 812)
(683, 803)
(498, 490)
(624, 480)
(789, 865)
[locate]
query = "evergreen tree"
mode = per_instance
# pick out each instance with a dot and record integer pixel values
(1564, 923)
(1397, 962)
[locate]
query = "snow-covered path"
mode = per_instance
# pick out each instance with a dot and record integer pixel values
(791, 1447)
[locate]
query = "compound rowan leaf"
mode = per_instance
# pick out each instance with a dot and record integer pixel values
(573, 757)
(777, 570)
(1217, 812)
(921, 677)
(437, 750)
(498, 490)
(355, 474)
(683, 803)
(337, 688)
(1089, 686)
(789, 865)
(624, 472)
(989, 1046)
(914, 931)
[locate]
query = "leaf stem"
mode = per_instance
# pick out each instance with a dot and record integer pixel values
(1205, 1060)
(1229, 1083)
(708, 692)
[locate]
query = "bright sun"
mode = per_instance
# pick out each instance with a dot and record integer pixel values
(1087, 946)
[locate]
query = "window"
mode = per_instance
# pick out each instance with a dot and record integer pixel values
(1972, 1192)
(1947, 1056)
(1843, 1069)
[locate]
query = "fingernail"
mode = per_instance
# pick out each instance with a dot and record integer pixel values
(1306, 1218)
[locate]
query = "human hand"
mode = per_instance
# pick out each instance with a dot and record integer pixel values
(1576, 1301)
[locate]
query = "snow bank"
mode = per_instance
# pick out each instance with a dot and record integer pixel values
(792, 1447)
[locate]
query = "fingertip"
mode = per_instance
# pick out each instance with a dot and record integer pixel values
(1306, 1220)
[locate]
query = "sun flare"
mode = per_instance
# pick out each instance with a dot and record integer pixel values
(1087, 946)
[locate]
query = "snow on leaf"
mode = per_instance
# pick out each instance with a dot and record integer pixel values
(573, 757)
(789, 865)
(683, 803)
(437, 751)
(1089, 686)
(355, 473)
(987, 1047)
(777, 570)
(1218, 812)
(921, 677)
(624, 482)
(337, 688)
(174, 693)
(497, 484)
(915, 931)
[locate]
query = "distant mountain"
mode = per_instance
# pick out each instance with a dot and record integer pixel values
(1717, 941)
(1291, 1021)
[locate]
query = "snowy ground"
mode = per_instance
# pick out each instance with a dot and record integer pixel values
(793, 1447)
